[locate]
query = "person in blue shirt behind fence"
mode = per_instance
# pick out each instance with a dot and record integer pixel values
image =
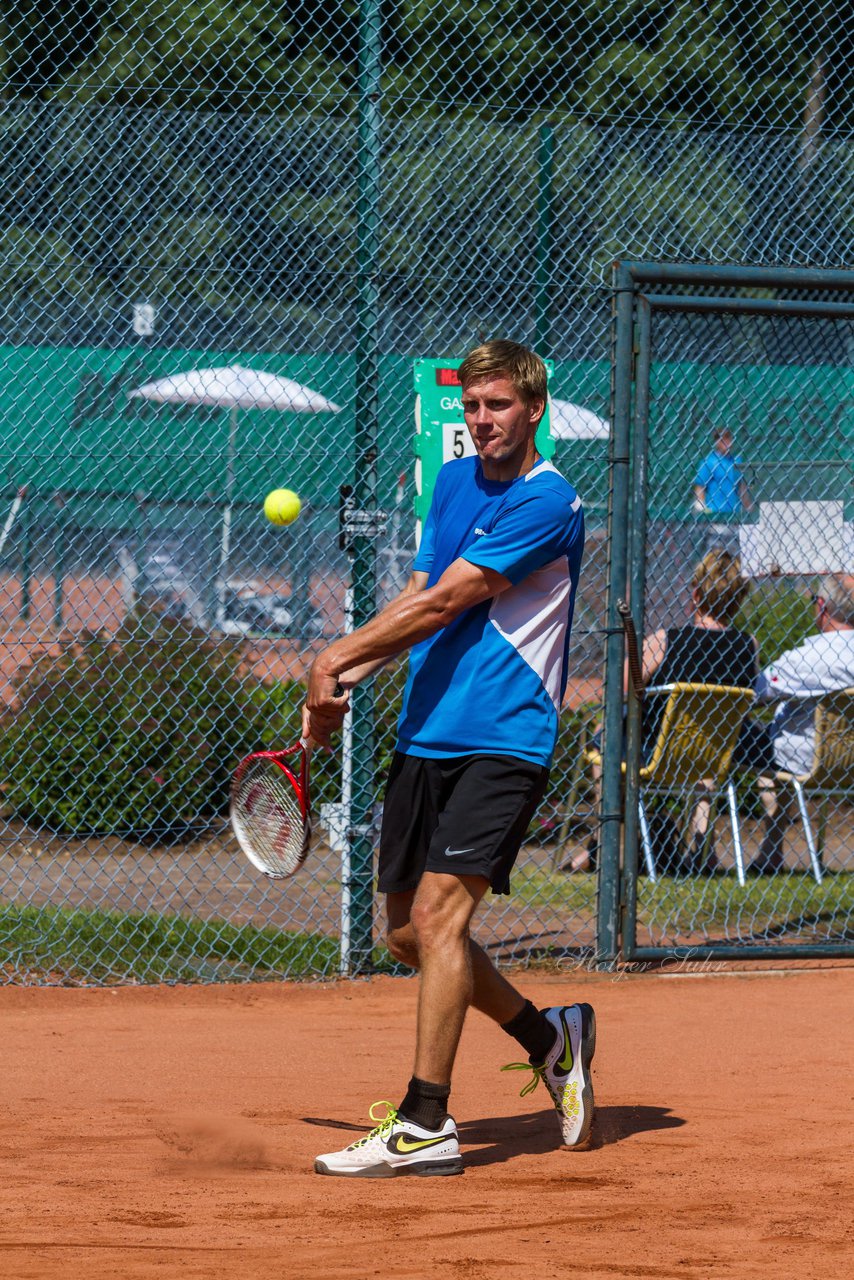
(719, 485)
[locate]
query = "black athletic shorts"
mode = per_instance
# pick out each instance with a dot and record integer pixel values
(463, 815)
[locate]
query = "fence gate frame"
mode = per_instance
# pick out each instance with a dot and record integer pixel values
(640, 290)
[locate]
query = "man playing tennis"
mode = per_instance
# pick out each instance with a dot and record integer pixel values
(487, 615)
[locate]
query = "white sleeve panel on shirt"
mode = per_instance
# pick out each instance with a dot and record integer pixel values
(532, 618)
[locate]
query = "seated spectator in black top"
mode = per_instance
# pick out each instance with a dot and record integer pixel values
(708, 650)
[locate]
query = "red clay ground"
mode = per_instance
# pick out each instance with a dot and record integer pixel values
(170, 1132)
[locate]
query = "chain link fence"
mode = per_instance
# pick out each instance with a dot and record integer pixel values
(745, 587)
(324, 195)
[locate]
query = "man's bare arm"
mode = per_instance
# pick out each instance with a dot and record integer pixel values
(352, 676)
(412, 617)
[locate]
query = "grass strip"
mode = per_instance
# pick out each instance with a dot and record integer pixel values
(766, 903)
(74, 947)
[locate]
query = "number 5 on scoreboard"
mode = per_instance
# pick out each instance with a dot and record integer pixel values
(456, 442)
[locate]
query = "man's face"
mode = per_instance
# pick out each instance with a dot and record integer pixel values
(501, 424)
(724, 443)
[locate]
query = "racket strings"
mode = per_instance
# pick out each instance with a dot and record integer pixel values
(268, 819)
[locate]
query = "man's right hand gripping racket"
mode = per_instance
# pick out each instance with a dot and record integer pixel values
(270, 809)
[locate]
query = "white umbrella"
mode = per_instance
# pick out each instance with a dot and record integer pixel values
(233, 387)
(572, 422)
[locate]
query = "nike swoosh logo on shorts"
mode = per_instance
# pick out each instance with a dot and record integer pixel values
(457, 853)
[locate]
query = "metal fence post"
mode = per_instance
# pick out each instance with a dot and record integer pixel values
(637, 582)
(361, 833)
(610, 814)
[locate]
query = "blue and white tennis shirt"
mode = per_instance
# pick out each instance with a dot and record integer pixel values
(492, 681)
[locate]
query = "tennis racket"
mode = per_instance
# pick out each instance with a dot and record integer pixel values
(270, 809)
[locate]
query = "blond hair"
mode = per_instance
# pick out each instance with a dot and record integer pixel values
(719, 586)
(502, 357)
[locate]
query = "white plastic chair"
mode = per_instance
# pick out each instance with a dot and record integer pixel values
(832, 768)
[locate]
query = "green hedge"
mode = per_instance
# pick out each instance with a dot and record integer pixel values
(134, 734)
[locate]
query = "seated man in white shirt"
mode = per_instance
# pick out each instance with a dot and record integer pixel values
(798, 679)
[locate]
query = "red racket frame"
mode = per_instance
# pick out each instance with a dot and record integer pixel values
(301, 787)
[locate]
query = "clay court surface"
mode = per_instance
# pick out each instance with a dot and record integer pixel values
(171, 1132)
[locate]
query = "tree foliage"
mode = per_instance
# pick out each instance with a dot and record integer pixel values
(720, 61)
(205, 156)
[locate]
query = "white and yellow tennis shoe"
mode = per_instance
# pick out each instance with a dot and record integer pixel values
(566, 1071)
(396, 1148)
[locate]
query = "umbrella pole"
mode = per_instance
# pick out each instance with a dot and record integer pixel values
(225, 537)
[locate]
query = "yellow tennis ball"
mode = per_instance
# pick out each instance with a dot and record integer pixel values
(281, 506)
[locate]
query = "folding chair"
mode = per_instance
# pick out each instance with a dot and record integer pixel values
(695, 741)
(832, 766)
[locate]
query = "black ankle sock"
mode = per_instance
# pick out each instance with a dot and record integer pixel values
(533, 1031)
(425, 1103)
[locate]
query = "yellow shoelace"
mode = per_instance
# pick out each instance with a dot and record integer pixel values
(385, 1123)
(526, 1066)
